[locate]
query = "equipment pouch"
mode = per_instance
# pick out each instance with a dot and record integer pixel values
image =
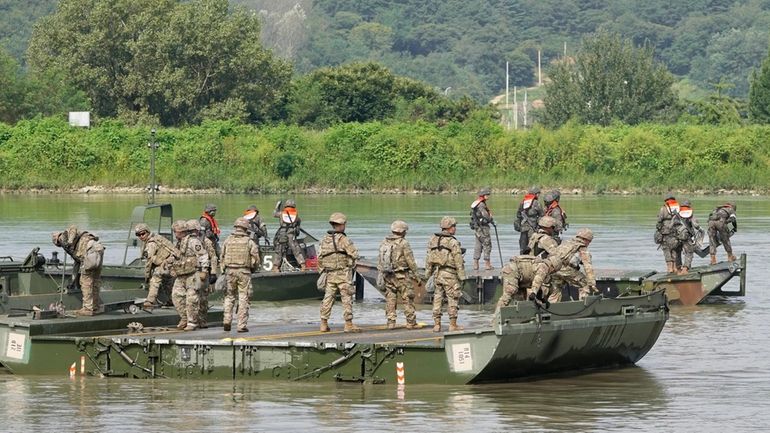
(380, 283)
(658, 238)
(321, 283)
(517, 225)
(93, 259)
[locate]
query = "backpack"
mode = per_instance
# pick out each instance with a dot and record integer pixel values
(385, 258)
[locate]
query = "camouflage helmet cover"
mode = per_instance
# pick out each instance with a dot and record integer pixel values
(290, 203)
(399, 226)
(65, 237)
(241, 223)
(548, 198)
(179, 226)
(556, 194)
(193, 224)
(140, 228)
(585, 234)
(668, 196)
(685, 202)
(546, 221)
(484, 191)
(534, 190)
(210, 207)
(448, 222)
(338, 218)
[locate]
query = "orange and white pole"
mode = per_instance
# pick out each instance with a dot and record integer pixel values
(72, 369)
(82, 365)
(400, 377)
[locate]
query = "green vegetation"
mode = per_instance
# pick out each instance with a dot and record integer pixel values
(47, 153)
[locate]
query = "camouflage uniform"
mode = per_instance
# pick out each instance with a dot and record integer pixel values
(517, 275)
(190, 271)
(444, 262)
(666, 231)
(719, 232)
(481, 219)
(159, 254)
(399, 277)
(286, 235)
(88, 254)
(213, 272)
(209, 227)
(553, 209)
(336, 262)
(240, 257)
(689, 234)
(529, 211)
(568, 257)
(257, 228)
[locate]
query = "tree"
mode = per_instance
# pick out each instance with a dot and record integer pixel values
(167, 58)
(609, 80)
(12, 89)
(759, 94)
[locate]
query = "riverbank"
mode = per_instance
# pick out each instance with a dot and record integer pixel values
(376, 157)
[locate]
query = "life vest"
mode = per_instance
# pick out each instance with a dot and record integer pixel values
(213, 222)
(685, 211)
(553, 206)
(526, 203)
(249, 214)
(289, 216)
(672, 205)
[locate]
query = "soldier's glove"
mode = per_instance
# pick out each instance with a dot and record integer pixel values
(213, 278)
(203, 275)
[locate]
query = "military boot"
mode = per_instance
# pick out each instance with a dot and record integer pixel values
(190, 327)
(488, 265)
(730, 258)
(713, 259)
(181, 325)
(683, 270)
(350, 327)
(475, 264)
(453, 326)
(227, 326)
(437, 325)
(412, 325)
(324, 325)
(391, 324)
(670, 268)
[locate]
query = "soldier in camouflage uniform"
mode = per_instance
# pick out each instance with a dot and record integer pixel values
(444, 263)
(88, 254)
(257, 228)
(286, 236)
(529, 211)
(210, 227)
(689, 235)
(336, 266)
(481, 219)
(570, 254)
(722, 225)
(207, 287)
(543, 243)
(190, 270)
(240, 257)
(517, 277)
(665, 230)
(553, 209)
(396, 264)
(159, 255)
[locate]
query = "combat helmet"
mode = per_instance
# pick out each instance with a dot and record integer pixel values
(241, 223)
(399, 226)
(668, 196)
(556, 194)
(585, 234)
(448, 222)
(484, 191)
(141, 228)
(338, 218)
(290, 203)
(210, 208)
(546, 221)
(534, 190)
(179, 226)
(66, 237)
(685, 203)
(193, 225)
(732, 205)
(548, 198)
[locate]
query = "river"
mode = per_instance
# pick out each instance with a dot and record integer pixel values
(707, 372)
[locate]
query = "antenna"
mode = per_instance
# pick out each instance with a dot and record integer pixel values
(153, 145)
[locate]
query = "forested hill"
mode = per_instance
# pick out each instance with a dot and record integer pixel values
(464, 44)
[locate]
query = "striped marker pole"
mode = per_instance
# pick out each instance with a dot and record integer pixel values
(72, 369)
(400, 378)
(82, 365)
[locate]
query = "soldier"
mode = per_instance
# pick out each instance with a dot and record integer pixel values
(286, 235)
(719, 232)
(195, 229)
(210, 226)
(553, 209)
(517, 276)
(444, 263)
(665, 230)
(190, 270)
(397, 266)
(543, 243)
(257, 229)
(240, 257)
(88, 254)
(336, 266)
(689, 234)
(527, 215)
(571, 253)
(159, 255)
(481, 219)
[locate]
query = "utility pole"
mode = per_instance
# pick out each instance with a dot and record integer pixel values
(507, 107)
(153, 145)
(525, 108)
(539, 71)
(515, 110)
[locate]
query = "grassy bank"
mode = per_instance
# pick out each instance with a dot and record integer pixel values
(47, 153)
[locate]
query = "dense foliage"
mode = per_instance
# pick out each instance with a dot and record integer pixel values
(459, 155)
(175, 61)
(759, 96)
(609, 80)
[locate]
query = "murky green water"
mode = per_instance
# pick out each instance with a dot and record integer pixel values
(708, 371)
